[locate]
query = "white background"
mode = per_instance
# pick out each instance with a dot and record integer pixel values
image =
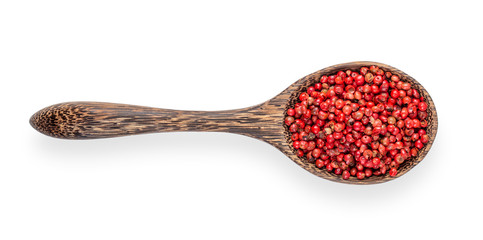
(214, 55)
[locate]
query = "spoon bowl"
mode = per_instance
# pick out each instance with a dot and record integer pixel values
(265, 121)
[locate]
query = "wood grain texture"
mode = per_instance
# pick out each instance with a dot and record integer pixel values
(89, 120)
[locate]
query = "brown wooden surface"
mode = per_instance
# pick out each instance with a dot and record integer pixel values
(89, 120)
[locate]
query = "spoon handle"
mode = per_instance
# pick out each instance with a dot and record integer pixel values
(90, 120)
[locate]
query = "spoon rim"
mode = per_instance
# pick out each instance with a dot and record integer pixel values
(312, 78)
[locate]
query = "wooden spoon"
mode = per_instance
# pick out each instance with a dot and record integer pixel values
(90, 120)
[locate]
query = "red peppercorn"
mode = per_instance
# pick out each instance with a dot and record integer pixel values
(345, 175)
(289, 120)
(366, 139)
(368, 172)
(347, 110)
(406, 86)
(316, 152)
(424, 138)
(418, 144)
(393, 172)
(300, 153)
(315, 129)
(304, 145)
(422, 106)
(303, 96)
(319, 163)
